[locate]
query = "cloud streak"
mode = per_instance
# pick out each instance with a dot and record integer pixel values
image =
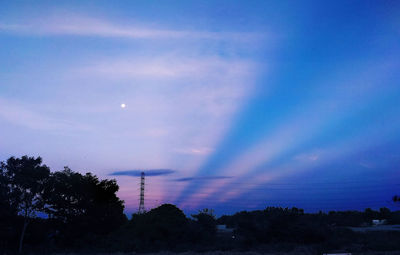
(300, 128)
(202, 178)
(150, 172)
(88, 26)
(24, 115)
(170, 66)
(182, 89)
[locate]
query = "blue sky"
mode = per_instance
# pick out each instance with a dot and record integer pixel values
(247, 104)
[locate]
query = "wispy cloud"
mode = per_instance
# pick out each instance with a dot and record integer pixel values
(307, 156)
(180, 104)
(22, 114)
(88, 26)
(181, 88)
(195, 151)
(339, 150)
(202, 178)
(150, 172)
(303, 126)
(169, 66)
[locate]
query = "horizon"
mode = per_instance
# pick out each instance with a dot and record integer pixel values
(229, 105)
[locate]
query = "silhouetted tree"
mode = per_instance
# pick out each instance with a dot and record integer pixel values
(6, 210)
(206, 223)
(161, 227)
(83, 202)
(84, 213)
(384, 213)
(26, 178)
(206, 220)
(369, 215)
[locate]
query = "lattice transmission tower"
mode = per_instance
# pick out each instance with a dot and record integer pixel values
(141, 203)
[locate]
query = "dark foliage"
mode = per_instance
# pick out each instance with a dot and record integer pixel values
(161, 227)
(80, 212)
(75, 202)
(79, 208)
(204, 227)
(24, 181)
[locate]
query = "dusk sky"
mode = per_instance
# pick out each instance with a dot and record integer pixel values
(230, 105)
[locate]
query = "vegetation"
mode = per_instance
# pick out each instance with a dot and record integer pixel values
(77, 208)
(82, 213)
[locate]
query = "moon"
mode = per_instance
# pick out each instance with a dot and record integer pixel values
(123, 106)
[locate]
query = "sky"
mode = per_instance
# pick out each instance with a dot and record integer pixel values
(229, 105)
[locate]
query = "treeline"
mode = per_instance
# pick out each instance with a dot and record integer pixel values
(75, 208)
(43, 211)
(322, 231)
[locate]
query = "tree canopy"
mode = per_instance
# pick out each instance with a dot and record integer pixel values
(82, 212)
(72, 201)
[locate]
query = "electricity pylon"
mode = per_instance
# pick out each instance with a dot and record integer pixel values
(141, 203)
